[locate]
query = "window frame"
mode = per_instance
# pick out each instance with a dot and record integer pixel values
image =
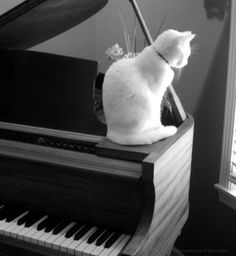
(227, 195)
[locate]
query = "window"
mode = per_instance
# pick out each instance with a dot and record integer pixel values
(227, 180)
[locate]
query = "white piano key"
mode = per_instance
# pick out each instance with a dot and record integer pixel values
(107, 251)
(33, 230)
(118, 248)
(44, 238)
(2, 223)
(80, 249)
(27, 230)
(35, 237)
(72, 247)
(8, 226)
(63, 247)
(50, 240)
(60, 238)
(47, 240)
(87, 251)
(4, 226)
(59, 242)
(67, 242)
(98, 249)
(15, 231)
(14, 223)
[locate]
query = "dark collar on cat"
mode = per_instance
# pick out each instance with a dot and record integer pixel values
(159, 54)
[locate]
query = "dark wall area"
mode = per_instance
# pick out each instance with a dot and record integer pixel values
(211, 226)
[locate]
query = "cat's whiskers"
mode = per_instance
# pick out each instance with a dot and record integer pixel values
(194, 49)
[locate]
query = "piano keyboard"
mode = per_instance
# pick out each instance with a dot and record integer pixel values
(59, 234)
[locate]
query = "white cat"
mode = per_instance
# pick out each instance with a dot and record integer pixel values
(133, 90)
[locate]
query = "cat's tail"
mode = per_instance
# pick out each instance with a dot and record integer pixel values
(142, 138)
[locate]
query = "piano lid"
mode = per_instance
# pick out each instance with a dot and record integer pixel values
(35, 21)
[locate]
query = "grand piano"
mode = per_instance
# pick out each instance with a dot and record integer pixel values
(64, 188)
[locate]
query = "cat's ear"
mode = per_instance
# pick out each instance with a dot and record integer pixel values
(184, 37)
(188, 36)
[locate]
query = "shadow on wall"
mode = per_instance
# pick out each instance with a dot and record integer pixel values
(211, 225)
(216, 8)
(209, 116)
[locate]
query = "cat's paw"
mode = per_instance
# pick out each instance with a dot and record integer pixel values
(170, 130)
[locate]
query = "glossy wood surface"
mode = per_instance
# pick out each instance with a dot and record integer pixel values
(139, 153)
(166, 176)
(79, 191)
(50, 91)
(147, 199)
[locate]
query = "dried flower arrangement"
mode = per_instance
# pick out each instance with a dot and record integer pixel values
(116, 52)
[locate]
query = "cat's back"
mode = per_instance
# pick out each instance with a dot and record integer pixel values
(121, 67)
(119, 79)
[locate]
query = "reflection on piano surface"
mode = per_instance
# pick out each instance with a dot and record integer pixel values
(140, 192)
(64, 188)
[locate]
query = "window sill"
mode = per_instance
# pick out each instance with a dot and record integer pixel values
(227, 196)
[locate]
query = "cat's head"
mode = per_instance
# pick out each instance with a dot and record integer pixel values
(174, 46)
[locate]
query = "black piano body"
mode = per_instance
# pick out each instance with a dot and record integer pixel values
(54, 156)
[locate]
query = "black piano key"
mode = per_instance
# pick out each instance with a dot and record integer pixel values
(43, 224)
(34, 217)
(28, 217)
(23, 219)
(103, 237)
(112, 239)
(3, 212)
(14, 214)
(82, 232)
(95, 235)
(52, 223)
(74, 229)
(3, 216)
(6, 208)
(61, 226)
(9, 213)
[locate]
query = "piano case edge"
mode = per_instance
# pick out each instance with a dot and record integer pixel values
(167, 165)
(166, 178)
